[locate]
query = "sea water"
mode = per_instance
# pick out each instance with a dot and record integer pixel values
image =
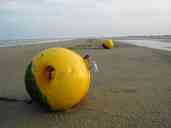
(22, 42)
(155, 44)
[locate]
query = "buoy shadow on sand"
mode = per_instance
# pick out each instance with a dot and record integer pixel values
(34, 107)
(93, 47)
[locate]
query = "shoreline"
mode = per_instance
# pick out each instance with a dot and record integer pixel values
(152, 44)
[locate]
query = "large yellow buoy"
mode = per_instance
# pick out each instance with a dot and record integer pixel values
(57, 78)
(108, 44)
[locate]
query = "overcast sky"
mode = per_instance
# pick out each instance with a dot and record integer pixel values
(63, 18)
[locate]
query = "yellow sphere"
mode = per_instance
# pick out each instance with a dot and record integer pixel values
(61, 76)
(108, 44)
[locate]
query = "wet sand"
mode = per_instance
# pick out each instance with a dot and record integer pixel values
(132, 89)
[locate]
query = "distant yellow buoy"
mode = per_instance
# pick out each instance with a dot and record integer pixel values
(108, 44)
(57, 78)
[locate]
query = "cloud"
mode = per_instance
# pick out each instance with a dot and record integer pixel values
(53, 18)
(135, 17)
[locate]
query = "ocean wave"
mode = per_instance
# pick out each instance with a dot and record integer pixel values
(13, 43)
(150, 44)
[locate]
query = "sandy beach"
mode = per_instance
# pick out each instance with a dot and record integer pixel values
(131, 90)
